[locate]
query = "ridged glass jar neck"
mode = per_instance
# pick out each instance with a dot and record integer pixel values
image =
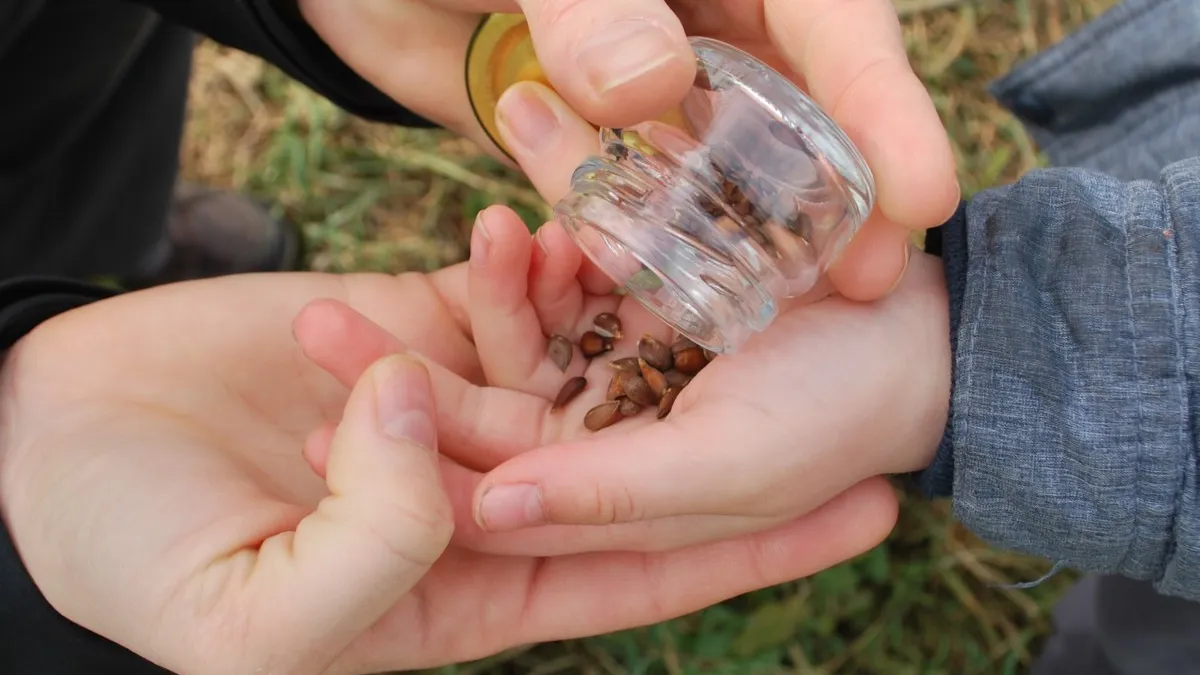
(711, 225)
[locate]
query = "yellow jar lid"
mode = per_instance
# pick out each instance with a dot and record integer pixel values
(500, 55)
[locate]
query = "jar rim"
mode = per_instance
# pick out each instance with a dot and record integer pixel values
(792, 106)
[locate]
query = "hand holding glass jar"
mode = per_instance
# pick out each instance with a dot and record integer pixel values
(618, 63)
(849, 60)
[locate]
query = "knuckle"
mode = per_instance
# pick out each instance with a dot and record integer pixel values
(613, 505)
(563, 12)
(415, 530)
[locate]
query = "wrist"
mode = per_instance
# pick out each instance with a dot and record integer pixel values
(935, 477)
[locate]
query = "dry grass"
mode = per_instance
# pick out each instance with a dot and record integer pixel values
(371, 197)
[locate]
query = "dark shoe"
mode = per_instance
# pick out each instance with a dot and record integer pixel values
(216, 233)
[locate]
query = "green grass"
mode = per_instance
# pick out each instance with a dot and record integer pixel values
(375, 198)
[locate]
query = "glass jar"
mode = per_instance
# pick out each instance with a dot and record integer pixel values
(717, 214)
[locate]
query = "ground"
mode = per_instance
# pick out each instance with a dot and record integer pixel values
(373, 198)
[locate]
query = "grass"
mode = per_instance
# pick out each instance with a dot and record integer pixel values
(376, 198)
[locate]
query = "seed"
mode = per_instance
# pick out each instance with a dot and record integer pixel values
(655, 353)
(690, 361)
(615, 388)
(568, 392)
(677, 379)
(608, 325)
(628, 408)
(668, 401)
(594, 344)
(603, 415)
(790, 137)
(701, 81)
(654, 379)
(560, 350)
(629, 364)
(637, 390)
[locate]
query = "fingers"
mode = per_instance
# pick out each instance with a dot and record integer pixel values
(479, 427)
(317, 446)
(410, 50)
(554, 287)
(508, 334)
(852, 57)
(549, 140)
(696, 462)
(545, 136)
(874, 262)
(618, 62)
(574, 595)
(386, 520)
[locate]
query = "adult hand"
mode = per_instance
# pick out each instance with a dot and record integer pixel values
(154, 479)
(831, 395)
(415, 50)
(849, 56)
(619, 62)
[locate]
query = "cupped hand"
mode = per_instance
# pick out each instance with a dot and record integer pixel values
(831, 395)
(240, 475)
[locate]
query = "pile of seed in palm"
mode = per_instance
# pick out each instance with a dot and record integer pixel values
(652, 379)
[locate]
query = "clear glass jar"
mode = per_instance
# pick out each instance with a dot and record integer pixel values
(715, 218)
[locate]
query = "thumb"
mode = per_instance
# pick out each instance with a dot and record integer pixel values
(386, 520)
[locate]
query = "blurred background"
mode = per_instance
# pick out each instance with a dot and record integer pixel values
(374, 198)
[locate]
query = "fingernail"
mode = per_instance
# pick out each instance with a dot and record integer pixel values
(481, 241)
(404, 404)
(624, 52)
(541, 240)
(510, 507)
(526, 118)
(903, 268)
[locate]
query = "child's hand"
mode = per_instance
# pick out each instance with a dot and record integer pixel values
(521, 290)
(832, 396)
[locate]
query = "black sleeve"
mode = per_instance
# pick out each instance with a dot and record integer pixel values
(949, 242)
(275, 31)
(34, 638)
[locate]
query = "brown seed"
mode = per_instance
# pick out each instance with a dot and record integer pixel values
(628, 408)
(701, 81)
(655, 353)
(608, 325)
(603, 415)
(677, 379)
(654, 378)
(790, 137)
(690, 360)
(637, 390)
(560, 350)
(594, 344)
(629, 364)
(668, 401)
(568, 392)
(616, 388)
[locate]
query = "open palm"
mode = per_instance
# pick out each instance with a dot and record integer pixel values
(831, 395)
